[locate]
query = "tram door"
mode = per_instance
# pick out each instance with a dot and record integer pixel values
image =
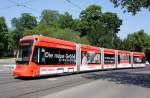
(78, 57)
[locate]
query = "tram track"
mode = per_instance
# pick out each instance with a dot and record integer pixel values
(11, 79)
(32, 88)
(59, 86)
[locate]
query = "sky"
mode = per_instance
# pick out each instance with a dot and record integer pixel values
(130, 24)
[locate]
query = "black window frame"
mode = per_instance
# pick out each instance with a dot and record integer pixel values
(129, 58)
(24, 45)
(106, 60)
(143, 59)
(55, 52)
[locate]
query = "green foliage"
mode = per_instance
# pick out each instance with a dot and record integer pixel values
(101, 28)
(91, 13)
(26, 21)
(9, 44)
(66, 34)
(137, 41)
(89, 17)
(132, 6)
(76, 25)
(118, 43)
(49, 17)
(3, 32)
(111, 22)
(66, 21)
(41, 29)
(3, 26)
(84, 40)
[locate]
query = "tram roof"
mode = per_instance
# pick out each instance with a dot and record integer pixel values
(48, 39)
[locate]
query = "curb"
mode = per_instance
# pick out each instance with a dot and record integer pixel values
(8, 65)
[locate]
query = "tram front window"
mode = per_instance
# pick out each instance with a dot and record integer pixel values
(23, 55)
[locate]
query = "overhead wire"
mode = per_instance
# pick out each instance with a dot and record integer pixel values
(25, 6)
(19, 5)
(14, 4)
(75, 5)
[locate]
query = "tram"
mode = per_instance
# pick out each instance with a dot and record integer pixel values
(40, 55)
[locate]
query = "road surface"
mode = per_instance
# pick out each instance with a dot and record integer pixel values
(127, 83)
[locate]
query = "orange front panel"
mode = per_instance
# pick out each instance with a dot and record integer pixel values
(23, 70)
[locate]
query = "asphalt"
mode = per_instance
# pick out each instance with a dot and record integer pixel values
(124, 83)
(102, 89)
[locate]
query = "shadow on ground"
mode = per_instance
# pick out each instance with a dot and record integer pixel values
(44, 76)
(122, 78)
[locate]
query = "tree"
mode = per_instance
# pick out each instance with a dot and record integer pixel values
(132, 6)
(137, 41)
(3, 26)
(100, 37)
(26, 21)
(76, 25)
(111, 23)
(89, 17)
(45, 30)
(6, 39)
(66, 21)
(101, 28)
(118, 43)
(50, 17)
(3, 31)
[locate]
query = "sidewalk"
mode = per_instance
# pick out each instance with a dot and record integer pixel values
(10, 62)
(12, 59)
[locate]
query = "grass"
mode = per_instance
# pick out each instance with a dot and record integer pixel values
(6, 57)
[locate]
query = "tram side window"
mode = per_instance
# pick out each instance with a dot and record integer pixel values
(90, 58)
(35, 55)
(54, 56)
(137, 59)
(124, 58)
(109, 58)
(84, 58)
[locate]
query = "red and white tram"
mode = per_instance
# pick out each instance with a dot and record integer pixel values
(40, 55)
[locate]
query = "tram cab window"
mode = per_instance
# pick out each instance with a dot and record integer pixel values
(23, 55)
(109, 58)
(24, 52)
(46, 56)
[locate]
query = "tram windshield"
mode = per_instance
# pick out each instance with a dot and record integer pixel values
(24, 52)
